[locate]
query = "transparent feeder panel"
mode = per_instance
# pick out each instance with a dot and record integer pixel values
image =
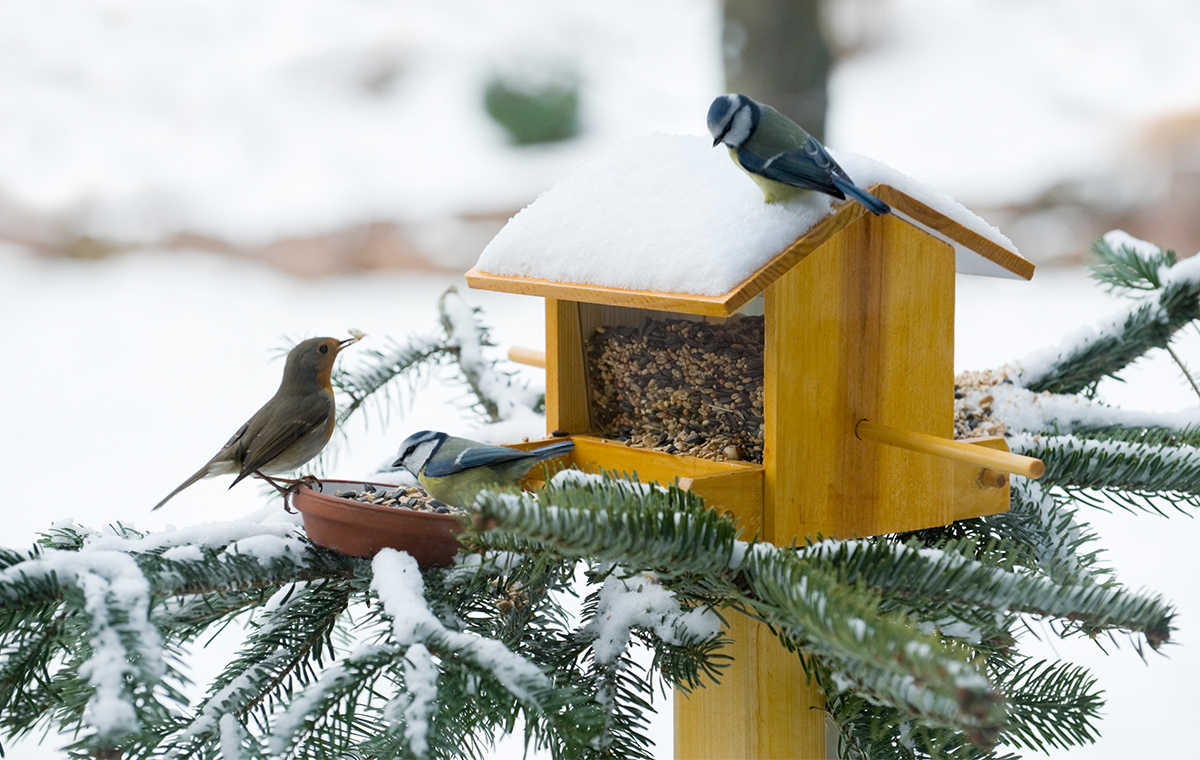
(677, 383)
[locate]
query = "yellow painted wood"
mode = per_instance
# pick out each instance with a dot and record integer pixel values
(734, 487)
(721, 721)
(728, 303)
(528, 356)
(737, 493)
(567, 406)
(973, 498)
(644, 299)
(791, 715)
(861, 329)
(763, 707)
(959, 451)
(593, 453)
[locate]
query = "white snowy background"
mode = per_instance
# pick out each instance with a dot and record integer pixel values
(134, 119)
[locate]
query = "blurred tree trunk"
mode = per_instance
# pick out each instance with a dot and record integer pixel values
(775, 53)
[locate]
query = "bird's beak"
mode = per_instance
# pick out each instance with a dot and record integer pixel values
(399, 463)
(716, 141)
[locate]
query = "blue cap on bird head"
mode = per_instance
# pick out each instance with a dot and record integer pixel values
(417, 449)
(732, 119)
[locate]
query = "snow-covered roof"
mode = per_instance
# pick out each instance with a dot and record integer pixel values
(669, 214)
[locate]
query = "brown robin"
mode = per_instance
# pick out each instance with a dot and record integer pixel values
(291, 428)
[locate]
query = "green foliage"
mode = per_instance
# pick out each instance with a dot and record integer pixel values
(1150, 435)
(533, 113)
(1126, 268)
(1051, 704)
(1131, 475)
(1167, 305)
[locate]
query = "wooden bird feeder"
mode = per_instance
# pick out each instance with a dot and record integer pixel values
(857, 422)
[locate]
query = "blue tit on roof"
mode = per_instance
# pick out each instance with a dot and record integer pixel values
(783, 159)
(454, 470)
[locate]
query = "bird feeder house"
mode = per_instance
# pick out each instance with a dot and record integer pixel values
(812, 396)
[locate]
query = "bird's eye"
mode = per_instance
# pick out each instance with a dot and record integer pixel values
(324, 349)
(408, 451)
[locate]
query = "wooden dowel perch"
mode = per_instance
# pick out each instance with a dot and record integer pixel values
(1001, 461)
(532, 357)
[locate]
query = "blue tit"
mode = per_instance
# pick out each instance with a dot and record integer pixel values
(453, 470)
(779, 155)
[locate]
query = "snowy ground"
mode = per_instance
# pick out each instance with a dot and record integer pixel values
(125, 375)
(133, 120)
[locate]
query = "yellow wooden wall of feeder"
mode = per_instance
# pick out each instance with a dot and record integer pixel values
(858, 421)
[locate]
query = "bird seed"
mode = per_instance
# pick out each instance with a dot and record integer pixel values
(681, 386)
(400, 497)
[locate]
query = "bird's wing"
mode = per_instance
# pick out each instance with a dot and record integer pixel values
(809, 167)
(236, 436)
(283, 430)
(476, 456)
(552, 450)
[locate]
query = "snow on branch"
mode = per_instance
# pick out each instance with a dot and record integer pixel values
(1127, 473)
(124, 647)
(673, 534)
(398, 582)
(642, 601)
(465, 343)
(949, 573)
(466, 338)
(292, 633)
(1028, 411)
(338, 686)
(1091, 354)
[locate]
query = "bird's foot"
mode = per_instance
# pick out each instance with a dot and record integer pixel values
(289, 486)
(310, 481)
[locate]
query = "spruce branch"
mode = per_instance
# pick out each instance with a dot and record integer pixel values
(950, 574)
(377, 377)
(879, 655)
(634, 525)
(1131, 475)
(108, 682)
(1022, 410)
(503, 681)
(496, 395)
(1049, 527)
(278, 653)
(1122, 265)
(1149, 435)
(339, 712)
(1050, 704)
(106, 615)
(1149, 324)
(1039, 533)
(911, 637)
(1183, 369)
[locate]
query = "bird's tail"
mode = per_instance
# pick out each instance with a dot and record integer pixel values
(873, 204)
(552, 450)
(200, 474)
